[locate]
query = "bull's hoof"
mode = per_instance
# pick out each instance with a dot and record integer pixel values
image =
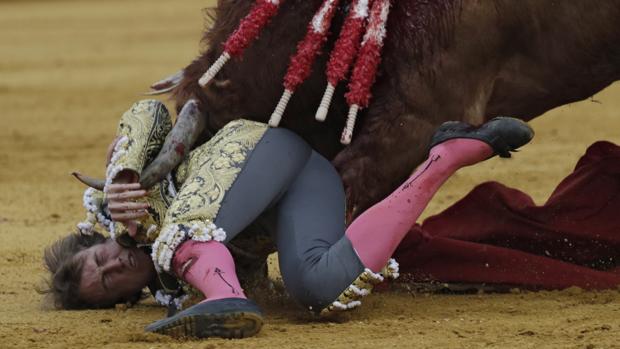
(503, 134)
(225, 318)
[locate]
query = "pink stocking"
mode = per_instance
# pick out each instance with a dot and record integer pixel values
(209, 267)
(376, 233)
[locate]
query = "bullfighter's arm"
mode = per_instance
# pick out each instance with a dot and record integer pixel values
(141, 133)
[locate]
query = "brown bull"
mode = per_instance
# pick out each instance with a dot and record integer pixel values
(443, 60)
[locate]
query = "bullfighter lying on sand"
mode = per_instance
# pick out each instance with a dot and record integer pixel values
(265, 182)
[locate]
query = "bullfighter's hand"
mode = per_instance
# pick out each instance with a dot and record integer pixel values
(121, 196)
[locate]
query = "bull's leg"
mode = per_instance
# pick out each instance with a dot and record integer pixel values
(394, 137)
(382, 156)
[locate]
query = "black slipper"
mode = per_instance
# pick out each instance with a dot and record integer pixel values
(503, 134)
(225, 318)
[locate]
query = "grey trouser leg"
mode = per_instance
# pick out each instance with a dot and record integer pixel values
(269, 170)
(317, 260)
(300, 198)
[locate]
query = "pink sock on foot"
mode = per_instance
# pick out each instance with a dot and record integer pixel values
(376, 233)
(209, 267)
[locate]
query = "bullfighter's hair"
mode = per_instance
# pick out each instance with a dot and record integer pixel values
(65, 271)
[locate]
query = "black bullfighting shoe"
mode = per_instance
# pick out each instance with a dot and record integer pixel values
(503, 134)
(225, 318)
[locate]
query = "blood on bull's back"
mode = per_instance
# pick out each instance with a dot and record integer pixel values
(442, 60)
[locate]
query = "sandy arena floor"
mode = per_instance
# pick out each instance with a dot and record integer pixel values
(68, 69)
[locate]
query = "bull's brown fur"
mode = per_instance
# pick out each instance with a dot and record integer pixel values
(444, 60)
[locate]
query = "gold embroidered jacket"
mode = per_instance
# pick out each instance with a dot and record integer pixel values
(185, 204)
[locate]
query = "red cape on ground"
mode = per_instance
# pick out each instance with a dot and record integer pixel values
(497, 235)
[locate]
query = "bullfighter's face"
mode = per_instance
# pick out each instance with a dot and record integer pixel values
(112, 273)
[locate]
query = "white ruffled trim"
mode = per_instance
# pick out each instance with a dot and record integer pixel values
(88, 201)
(94, 214)
(86, 227)
(349, 298)
(173, 235)
(120, 149)
(343, 307)
(108, 224)
(374, 276)
(208, 232)
(164, 299)
(114, 228)
(151, 230)
(391, 270)
(362, 292)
